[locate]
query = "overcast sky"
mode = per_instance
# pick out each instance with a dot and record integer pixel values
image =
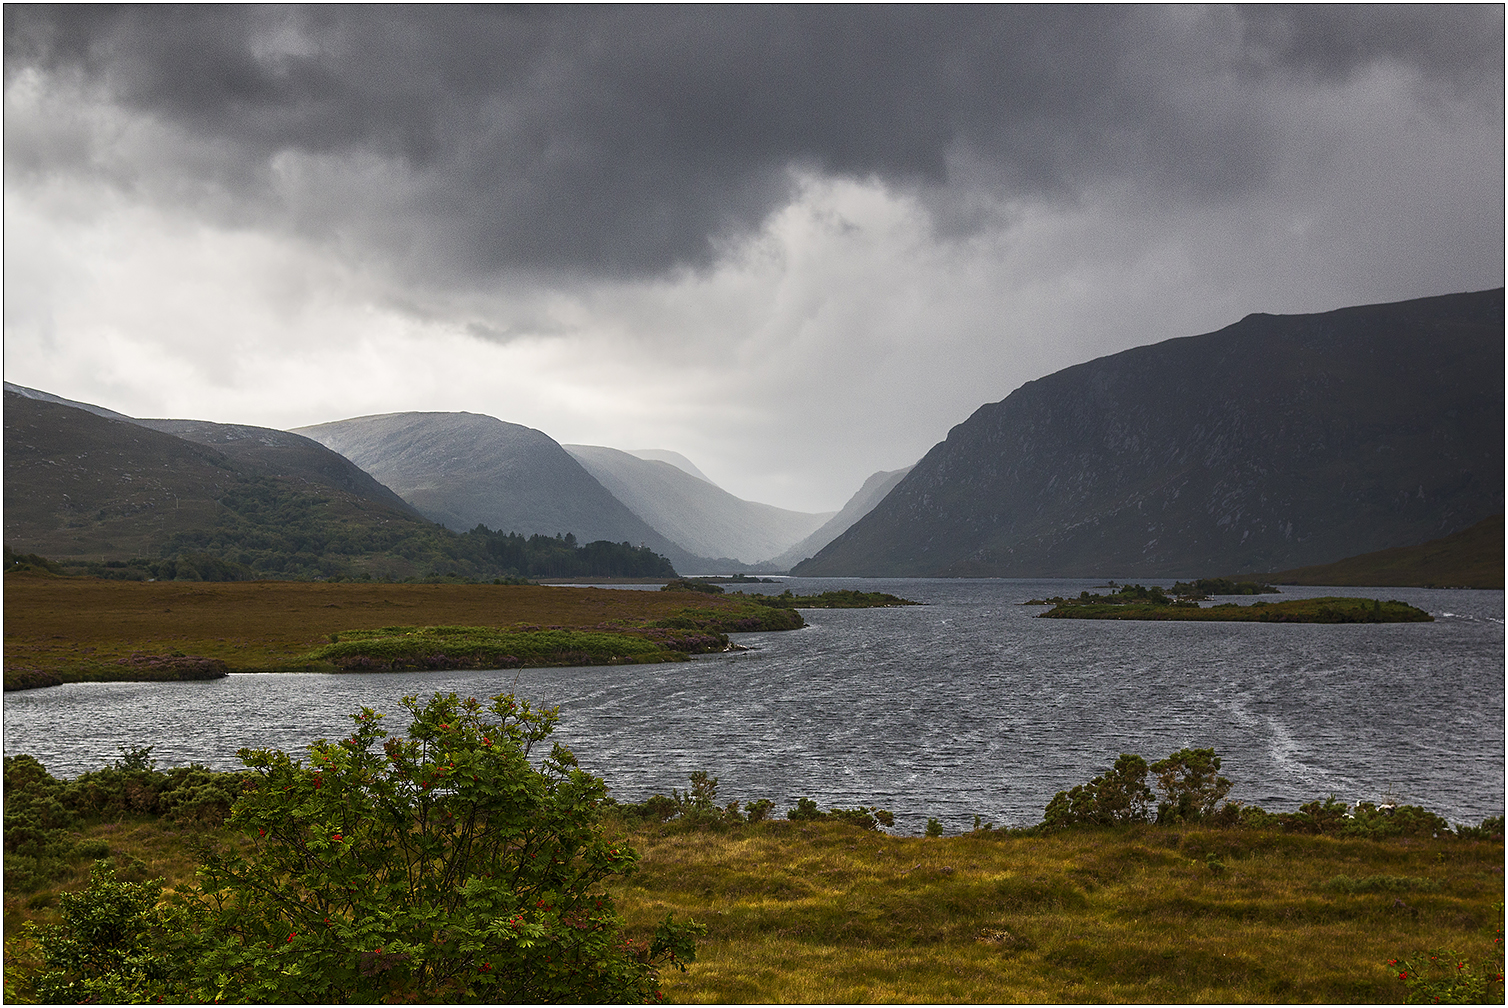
(796, 244)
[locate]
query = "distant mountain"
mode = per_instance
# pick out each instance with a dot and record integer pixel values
(1472, 558)
(676, 459)
(1276, 442)
(691, 512)
(466, 469)
(860, 504)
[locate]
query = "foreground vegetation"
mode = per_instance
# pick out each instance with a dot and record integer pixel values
(85, 629)
(1121, 894)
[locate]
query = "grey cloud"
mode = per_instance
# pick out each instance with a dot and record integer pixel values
(626, 141)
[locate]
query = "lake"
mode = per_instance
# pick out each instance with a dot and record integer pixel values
(965, 706)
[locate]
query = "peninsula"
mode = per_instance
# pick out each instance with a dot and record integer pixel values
(73, 629)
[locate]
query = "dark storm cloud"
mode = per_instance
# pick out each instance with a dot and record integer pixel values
(624, 141)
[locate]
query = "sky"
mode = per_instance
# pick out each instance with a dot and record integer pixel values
(795, 244)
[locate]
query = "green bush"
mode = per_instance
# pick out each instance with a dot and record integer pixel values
(1444, 976)
(1119, 795)
(865, 817)
(113, 943)
(438, 867)
(1191, 785)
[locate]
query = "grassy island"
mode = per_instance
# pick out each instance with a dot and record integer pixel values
(1329, 609)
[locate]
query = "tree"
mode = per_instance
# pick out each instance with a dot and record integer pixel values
(1119, 795)
(438, 867)
(1191, 785)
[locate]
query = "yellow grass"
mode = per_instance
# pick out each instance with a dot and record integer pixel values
(829, 913)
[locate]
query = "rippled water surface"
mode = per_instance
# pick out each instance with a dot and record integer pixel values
(966, 706)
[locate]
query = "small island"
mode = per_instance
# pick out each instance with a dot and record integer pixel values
(1134, 602)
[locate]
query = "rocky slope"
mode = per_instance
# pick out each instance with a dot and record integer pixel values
(1276, 442)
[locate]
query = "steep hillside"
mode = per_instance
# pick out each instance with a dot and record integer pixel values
(691, 512)
(1277, 442)
(1472, 558)
(465, 469)
(860, 504)
(78, 484)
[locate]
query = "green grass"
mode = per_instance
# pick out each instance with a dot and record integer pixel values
(401, 647)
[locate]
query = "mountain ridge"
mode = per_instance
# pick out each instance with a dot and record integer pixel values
(1278, 441)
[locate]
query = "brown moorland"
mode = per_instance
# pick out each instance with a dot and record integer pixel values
(84, 627)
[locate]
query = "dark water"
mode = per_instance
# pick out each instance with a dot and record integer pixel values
(967, 706)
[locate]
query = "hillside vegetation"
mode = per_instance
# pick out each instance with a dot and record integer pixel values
(1472, 558)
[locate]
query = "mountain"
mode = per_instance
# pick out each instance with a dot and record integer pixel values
(254, 450)
(1276, 442)
(699, 517)
(676, 459)
(39, 396)
(1472, 558)
(105, 494)
(465, 469)
(860, 504)
(82, 485)
(269, 452)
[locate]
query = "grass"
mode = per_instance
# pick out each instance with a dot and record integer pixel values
(78, 629)
(830, 913)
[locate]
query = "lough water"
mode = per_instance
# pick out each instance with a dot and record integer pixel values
(966, 706)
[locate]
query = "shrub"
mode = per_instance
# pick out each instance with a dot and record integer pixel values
(113, 944)
(438, 867)
(1119, 795)
(1191, 785)
(1491, 829)
(865, 817)
(1444, 976)
(758, 811)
